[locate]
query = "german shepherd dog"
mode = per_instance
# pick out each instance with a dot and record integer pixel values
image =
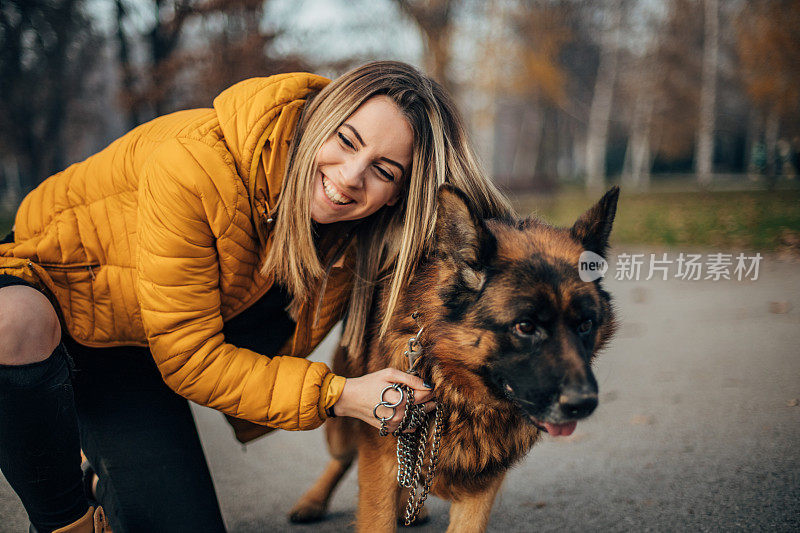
(510, 332)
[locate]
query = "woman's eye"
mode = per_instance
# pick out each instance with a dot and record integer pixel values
(386, 175)
(345, 141)
(585, 327)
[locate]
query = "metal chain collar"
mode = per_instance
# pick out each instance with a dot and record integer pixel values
(411, 445)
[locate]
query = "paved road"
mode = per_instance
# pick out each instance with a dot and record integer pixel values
(696, 430)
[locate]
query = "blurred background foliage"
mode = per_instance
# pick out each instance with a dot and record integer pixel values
(692, 106)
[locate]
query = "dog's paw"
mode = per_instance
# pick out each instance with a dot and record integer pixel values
(306, 511)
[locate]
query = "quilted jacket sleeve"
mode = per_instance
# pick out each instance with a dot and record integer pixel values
(181, 217)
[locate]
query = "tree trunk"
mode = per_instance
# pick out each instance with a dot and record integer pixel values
(771, 142)
(546, 170)
(704, 151)
(434, 19)
(638, 152)
(486, 85)
(750, 142)
(526, 144)
(438, 61)
(600, 112)
(128, 87)
(11, 196)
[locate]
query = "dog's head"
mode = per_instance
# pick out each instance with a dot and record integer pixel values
(510, 320)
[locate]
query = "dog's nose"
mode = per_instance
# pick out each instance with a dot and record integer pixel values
(577, 403)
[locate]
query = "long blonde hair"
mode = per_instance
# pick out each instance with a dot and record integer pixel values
(391, 241)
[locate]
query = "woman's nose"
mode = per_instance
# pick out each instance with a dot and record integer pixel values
(352, 172)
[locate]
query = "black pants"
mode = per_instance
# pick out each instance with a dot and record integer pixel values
(138, 435)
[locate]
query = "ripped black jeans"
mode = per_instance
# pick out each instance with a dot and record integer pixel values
(138, 435)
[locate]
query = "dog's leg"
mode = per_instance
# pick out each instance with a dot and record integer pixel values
(340, 433)
(377, 484)
(470, 514)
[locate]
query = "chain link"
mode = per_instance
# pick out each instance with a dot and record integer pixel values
(412, 437)
(415, 500)
(411, 447)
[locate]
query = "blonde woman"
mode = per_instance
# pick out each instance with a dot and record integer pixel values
(203, 256)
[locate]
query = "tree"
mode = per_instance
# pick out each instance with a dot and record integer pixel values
(639, 83)
(148, 84)
(539, 78)
(47, 48)
(227, 46)
(675, 85)
(600, 113)
(235, 49)
(768, 45)
(434, 18)
(704, 151)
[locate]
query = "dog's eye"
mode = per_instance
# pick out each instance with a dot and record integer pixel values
(525, 328)
(585, 327)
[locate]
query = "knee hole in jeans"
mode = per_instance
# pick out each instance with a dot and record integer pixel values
(29, 326)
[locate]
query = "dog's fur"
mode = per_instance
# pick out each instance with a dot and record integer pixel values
(507, 347)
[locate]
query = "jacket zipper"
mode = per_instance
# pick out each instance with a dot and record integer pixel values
(67, 268)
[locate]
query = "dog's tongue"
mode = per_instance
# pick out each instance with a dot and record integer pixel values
(562, 430)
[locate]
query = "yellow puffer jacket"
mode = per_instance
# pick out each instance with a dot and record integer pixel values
(157, 240)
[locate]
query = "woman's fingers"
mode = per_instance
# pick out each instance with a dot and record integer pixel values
(422, 396)
(362, 396)
(392, 396)
(398, 376)
(422, 393)
(395, 421)
(385, 412)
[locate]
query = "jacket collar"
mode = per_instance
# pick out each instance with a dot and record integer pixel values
(258, 119)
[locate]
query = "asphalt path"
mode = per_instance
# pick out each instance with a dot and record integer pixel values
(698, 428)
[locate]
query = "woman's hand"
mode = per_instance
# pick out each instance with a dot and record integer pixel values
(360, 395)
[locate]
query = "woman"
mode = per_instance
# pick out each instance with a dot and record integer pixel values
(170, 256)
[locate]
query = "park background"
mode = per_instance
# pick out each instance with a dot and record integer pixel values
(691, 106)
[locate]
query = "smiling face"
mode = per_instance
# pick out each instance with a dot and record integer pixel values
(360, 168)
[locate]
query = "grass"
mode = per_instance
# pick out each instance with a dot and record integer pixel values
(746, 220)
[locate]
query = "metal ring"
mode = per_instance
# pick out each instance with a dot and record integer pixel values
(381, 418)
(395, 386)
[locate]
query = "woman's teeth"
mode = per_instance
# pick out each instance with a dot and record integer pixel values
(334, 195)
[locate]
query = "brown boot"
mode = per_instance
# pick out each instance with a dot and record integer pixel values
(94, 521)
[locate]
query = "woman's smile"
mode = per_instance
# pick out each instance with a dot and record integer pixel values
(334, 194)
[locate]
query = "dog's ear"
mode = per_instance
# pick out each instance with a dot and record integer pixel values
(593, 228)
(461, 236)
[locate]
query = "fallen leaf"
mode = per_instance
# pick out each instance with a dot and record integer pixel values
(640, 295)
(642, 420)
(535, 505)
(779, 308)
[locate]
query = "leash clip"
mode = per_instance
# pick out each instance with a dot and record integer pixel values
(414, 347)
